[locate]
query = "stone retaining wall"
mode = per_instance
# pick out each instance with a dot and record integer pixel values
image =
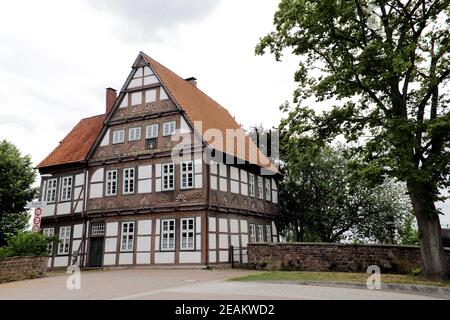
(334, 257)
(19, 268)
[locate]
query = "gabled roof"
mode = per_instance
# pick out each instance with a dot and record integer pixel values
(200, 107)
(76, 145)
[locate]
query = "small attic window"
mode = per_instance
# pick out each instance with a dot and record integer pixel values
(143, 76)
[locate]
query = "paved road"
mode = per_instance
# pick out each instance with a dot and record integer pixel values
(179, 284)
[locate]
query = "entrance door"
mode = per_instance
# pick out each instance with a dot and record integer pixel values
(96, 250)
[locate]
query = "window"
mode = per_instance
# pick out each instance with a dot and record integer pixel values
(118, 136)
(169, 128)
(268, 189)
(187, 174)
(260, 234)
(134, 134)
(49, 232)
(252, 233)
(151, 131)
(98, 229)
(111, 183)
(128, 181)
(168, 176)
(127, 242)
(251, 185)
(66, 190)
(64, 240)
(168, 235)
(136, 98)
(260, 188)
(268, 233)
(151, 143)
(150, 96)
(187, 234)
(51, 190)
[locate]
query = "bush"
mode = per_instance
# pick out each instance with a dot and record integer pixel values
(26, 244)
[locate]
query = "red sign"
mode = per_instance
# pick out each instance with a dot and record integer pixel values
(37, 219)
(37, 212)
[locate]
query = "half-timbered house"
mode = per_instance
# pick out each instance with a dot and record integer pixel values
(157, 180)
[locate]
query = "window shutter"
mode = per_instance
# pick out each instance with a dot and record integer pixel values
(198, 167)
(158, 177)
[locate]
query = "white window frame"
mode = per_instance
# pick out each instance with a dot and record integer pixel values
(98, 229)
(268, 189)
(128, 180)
(150, 131)
(260, 187)
(185, 174)
(134, 134)
(252, 232)
(251, 184)
(127, 237)
(167, 176)
(64, 240)
(167, 233)
(268, 233)
(260, 233)
(168, 126)
(118, 136)
(51, 190)
(66, 189)
(49, 232)
(187, 234)
(110, 182)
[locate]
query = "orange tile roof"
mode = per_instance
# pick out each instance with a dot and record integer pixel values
(76, 145)
(200, 107)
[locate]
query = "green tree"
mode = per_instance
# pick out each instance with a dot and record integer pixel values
(321, 200)
(16, 178)
(383, 67)
(26, 244)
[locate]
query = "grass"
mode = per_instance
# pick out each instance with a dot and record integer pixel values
(337, 277)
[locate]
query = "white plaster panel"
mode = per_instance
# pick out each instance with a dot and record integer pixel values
(184, 128)
(234, 173)
(274, 239)
(150, 80)
(144, 243)
(138, 73)
(150, 96)
(234, 186)
(212, 224)
(223, 225)
(78, 231)
(244, 240)
(198, 165)
(61, 261)
(49, 263)
(244, 226)
(223, 256)
(157, 226)
(234, 226)
(111, 229)
(198, 224)
(147, 71)
(190, 257)
(78, 193)
(274, 229)
(274, 196)
(96, 190)
(76, 245)
(223, 184)
(126, 258)
(198, 242)
(164, 257)
(158, 185)
(156, 243)
(145, 172)
(212, 241)
(212, 257)
(144, 227)
(223, 241)
(78, 206)
(163, 94)
(145, 186)
(135, 83)
(235, 240)
(109, 259)
(223, 170)
(123, 104)
(142, 258)
(63, 208)
(105, 140)
(213, 167)
(244, 256)
(213, 182)
(198, 181)
(79, 180)
(98, 175)
(48, 210)
(110, 244)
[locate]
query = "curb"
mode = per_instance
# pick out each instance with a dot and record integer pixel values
(437, 292)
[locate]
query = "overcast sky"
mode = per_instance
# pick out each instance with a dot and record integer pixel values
(57, 58)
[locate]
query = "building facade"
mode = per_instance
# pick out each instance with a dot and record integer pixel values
(164, 177)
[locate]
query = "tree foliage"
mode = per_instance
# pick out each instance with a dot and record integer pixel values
(16, 178)
(26, 244)
(382, 66)
(322, 201)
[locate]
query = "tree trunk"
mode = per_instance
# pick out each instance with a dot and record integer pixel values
(434, 258)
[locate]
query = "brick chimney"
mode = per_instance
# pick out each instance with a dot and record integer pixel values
(192, 80)
(111, 96)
